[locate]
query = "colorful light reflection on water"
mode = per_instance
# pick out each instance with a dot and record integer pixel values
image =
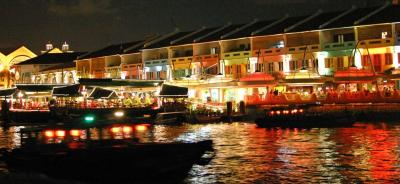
(247, 154)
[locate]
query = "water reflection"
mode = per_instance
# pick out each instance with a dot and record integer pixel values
(247, 154)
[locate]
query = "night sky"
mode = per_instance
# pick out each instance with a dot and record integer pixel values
(91, 24)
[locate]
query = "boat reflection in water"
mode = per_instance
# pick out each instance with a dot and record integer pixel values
(106, 154)
(362, 153)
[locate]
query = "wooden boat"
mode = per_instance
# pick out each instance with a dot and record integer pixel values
(109, 161)
(304, 117)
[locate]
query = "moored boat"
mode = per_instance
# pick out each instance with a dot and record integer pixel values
(109, 160)
(304, 117)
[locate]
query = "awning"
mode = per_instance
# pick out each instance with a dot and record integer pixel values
(173, 91)
(304, 82)
(98, 93)
(37, 87)
(120, 82)
(354, 75)
(354, 79)
(66, 91)
(257, 76)
(7, 92)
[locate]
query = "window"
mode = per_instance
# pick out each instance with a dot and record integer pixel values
(328, 62)
(293, 65)
(270, 67)
(304, 63)
(280, 66)
(340, 63)
(388, 59)
(260, 67)
(365, 60)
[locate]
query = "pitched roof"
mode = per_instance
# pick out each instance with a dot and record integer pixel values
(245, 32)
(8, 50)
(60, 66)
(281, 26)
(349, 19)
(52, 58)
(167, 40)
(315, 22)
(387, 15)
(190, 38)
(217, 33)
(110, 50)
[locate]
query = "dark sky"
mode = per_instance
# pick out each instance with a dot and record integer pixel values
(91, 24)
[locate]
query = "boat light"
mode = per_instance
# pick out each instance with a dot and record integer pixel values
(294, 111)
(301, 110)
(89, 119)
(272, 112)
(115, 130)
(127, 129)
(119, 114)
(75, 133)
(278, 112)
(60, 133)
(49, 133)
(141, 127)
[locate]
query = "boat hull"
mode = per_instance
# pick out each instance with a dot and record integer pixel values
(135, 162)
(307, 120)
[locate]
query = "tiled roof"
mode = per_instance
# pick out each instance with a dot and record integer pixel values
(166, 41)
(217, 35)
(315, 22)
(349, 19)
(189, 39)
(110, 50)
(387, 15)
(248, 30)
(281, 26)
(52, 58)
(60, 66)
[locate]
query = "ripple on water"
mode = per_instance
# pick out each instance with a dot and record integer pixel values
(247, 154)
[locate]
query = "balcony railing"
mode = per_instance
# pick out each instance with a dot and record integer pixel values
(271, 51)
(186, 59)
(236, 55)
(206, 57)
(339, 46)
(156, 62)
(377, 42)
(308, 48)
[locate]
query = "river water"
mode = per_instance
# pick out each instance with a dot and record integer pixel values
(364, 153)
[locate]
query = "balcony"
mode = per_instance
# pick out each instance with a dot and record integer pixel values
(156, 62)
(236, 55)
(339, 46)
(267, 52)
(300, 49)
(186, 59)
(371, 43)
